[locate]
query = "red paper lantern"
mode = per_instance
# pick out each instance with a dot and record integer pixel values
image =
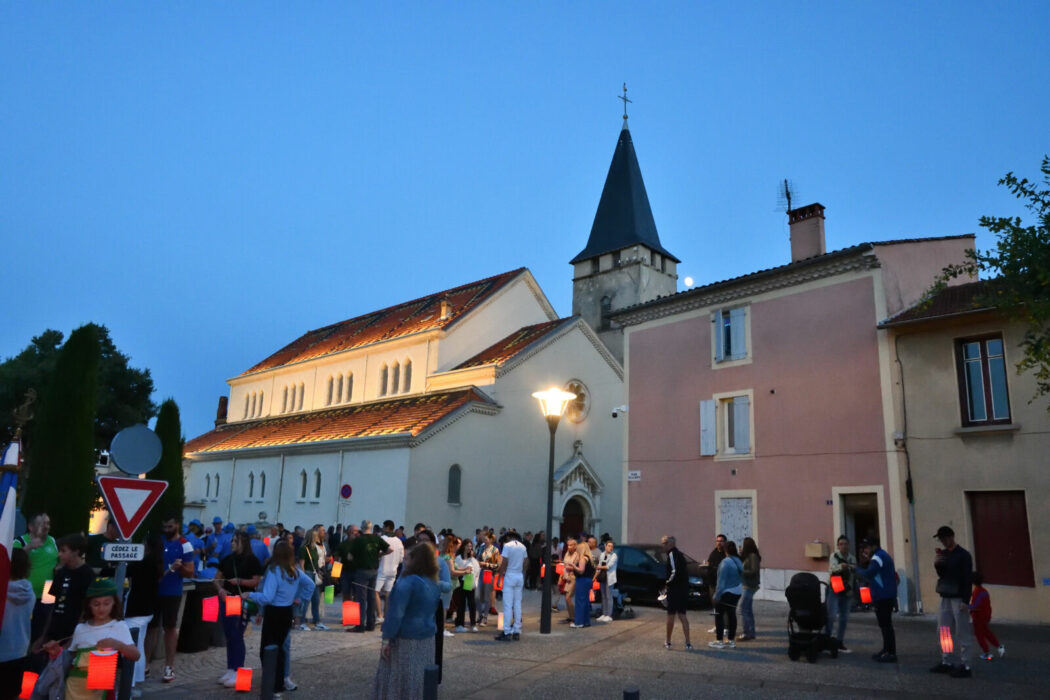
(210, 609)
(596, 586)
(837, 585)
(337, 569)
(102, 670)
(244, 680)
(233, 606)
(559, 569)
(946, 640)
(543, 571)
(351, 612)
(486, 576)
(865, 595)
(498, 582)
(266, 541)
(591, 594)
(28, 682)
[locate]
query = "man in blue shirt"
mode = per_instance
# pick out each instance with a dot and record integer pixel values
(881, 576)
(259, 549)
(179, 564)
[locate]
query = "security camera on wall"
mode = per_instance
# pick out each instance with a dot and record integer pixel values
(618, 410)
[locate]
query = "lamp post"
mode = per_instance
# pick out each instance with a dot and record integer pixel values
(552, 402)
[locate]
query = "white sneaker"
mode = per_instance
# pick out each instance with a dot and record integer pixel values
(1002, 651)
(474, 628)
(304, 628)
(289, 684)
(323, 626)
(169, 674)
(730, 644)
(231, 682)
(378, 620)
(712, 630)
(716, 645)
(459, 628)
(227, 676)
(449, 634)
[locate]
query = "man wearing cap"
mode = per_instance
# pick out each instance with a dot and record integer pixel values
(211, 542)
(259, 548)
(193, 534)
(879, 572)
(954, 567)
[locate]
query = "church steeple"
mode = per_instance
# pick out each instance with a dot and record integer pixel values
(623, 263)
(624, 218)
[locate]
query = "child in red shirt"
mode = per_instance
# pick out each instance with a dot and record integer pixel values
(981, 614)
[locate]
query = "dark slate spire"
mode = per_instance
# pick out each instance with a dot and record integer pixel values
(624, 217)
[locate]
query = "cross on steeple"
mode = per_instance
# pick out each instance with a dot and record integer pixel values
(625, 101)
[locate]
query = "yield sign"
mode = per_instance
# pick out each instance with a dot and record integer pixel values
(130, 500)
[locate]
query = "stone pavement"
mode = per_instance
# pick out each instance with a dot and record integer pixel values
(603, 660)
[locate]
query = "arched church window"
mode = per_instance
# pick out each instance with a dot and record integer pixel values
(339, 389)
(252, 412)
(302, 484)
(302, 392)
(407, 371)
(383, 373)
(247, 399)
(262, 485)
(349, 386)
(216, 485)
(455, 478)
(207, 485)
(328, 392)
(251, 485)
(579, 407)
(395, 375)
(262, 396)
(317, 483)
(284, 400)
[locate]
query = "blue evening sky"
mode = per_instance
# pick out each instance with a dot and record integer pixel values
(212, 179)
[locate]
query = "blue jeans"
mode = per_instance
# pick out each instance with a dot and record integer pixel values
(233, 627)
(315, 606)
(747, 612)
(607, 600)
(583, 601)
(838, 602)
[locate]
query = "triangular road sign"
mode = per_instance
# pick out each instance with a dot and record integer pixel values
(130, 500)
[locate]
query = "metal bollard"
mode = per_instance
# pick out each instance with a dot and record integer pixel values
(631, 692)
(430, 682)
(269, 671)
(127, 671)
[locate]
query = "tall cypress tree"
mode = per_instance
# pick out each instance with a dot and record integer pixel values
(169, 430)
(61, 457)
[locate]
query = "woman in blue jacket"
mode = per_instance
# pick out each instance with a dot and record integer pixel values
(881, 576)
(282, 586)
(409, 627)
(727, 594)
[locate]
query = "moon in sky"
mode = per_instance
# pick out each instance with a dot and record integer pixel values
(689, 281)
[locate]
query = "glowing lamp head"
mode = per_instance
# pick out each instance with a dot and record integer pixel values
(553, 401)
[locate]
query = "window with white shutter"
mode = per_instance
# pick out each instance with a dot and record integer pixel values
(725, 425)
(730, 331)
(708, 430)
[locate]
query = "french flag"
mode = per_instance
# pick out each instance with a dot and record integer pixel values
(11, 463)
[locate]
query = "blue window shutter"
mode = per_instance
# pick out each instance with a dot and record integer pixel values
(708, 443)
(738, 338)
(741, 426)
(719, 343)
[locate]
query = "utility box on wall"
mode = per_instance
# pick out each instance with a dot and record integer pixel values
(817, 550)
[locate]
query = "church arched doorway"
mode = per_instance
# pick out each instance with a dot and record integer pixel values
(573, 518)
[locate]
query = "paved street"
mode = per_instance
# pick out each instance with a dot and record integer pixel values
(600, 662)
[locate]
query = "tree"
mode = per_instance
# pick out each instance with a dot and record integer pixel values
(122, 392)
(169, 430)
(1021, 259)
(60, 461)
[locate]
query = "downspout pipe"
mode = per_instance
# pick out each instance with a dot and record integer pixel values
(908, 482)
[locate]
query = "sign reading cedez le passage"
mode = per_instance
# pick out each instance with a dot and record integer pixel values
(123, 551)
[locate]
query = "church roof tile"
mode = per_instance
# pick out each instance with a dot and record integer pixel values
(516, 343)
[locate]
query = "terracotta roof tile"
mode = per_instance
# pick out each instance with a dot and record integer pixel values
(394, 322)
(950, 301)
(514, 344)
(412, 415)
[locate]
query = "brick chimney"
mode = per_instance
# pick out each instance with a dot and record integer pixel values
(807, 231)
(220, 413)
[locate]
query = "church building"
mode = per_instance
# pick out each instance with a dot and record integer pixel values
(424, 412)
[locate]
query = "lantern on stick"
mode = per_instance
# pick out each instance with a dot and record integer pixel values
(233, 606)
(946, 640)
(244, 680)
(102, 669)
(559, 569)
(543, 571)
(865, 595)
(337, 569)
(596, 586)
(837, 585)
(28, 683)
(351, 612)
(210, 608)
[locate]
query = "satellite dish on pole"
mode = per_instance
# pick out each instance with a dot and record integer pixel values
(135, 450)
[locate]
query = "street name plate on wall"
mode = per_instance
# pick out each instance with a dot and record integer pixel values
(123, 551)
(634, 475)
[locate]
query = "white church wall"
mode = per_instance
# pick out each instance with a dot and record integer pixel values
(318, 503)
(510, 309)
(379, 481)
(255, 485)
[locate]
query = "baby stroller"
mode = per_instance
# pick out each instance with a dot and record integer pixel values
(807, 616)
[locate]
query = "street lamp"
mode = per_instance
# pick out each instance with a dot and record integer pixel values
(552, 402)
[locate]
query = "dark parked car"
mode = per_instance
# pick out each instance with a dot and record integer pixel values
(641, 571)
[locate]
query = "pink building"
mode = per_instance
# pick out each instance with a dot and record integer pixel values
(763, 405)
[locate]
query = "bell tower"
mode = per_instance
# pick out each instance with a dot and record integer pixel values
(623, 263)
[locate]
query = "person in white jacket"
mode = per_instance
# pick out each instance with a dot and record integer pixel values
(18, 609)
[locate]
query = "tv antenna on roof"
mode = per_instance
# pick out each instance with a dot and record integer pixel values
(786, 191)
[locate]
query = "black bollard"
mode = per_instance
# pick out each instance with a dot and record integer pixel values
(631, 692)
(430, 682)
(269, 671)
(127, 671)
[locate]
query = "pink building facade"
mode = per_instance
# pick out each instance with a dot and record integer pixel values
(764, 406)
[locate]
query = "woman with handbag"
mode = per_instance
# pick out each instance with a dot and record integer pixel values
(841, 564)
(750, 580)
(606, 567)
(238, 572)
(464, 568)
(312, 560)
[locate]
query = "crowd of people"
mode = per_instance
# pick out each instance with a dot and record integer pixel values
(416, 589)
